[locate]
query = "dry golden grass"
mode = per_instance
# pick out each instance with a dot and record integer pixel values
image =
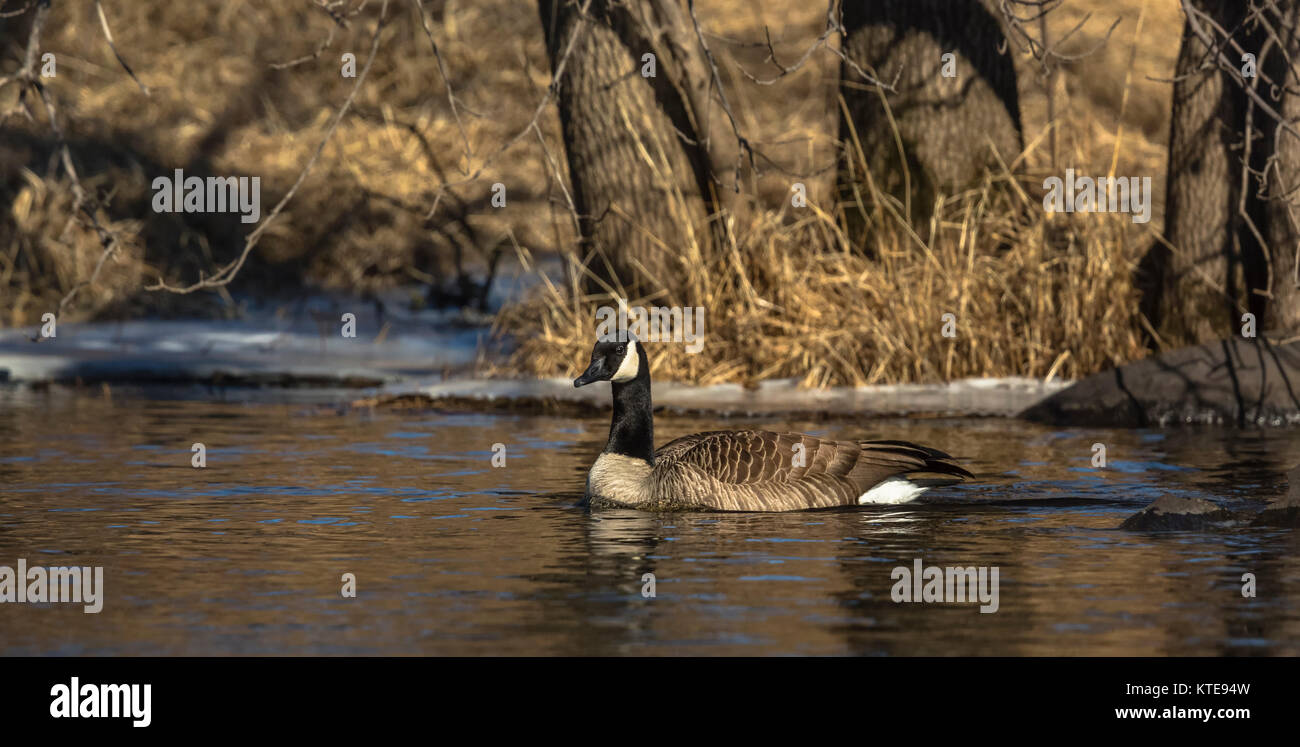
(1030, 297)
(787, 300)
(1033, 294)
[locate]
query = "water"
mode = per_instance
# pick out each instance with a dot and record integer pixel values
(455, 557)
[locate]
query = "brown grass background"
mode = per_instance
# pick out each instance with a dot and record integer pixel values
(1034, 294)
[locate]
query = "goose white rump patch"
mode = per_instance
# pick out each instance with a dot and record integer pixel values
(892, 490)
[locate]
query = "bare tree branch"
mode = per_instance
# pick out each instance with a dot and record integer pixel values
(108, 36)
(84, 205)
(227, 273)
(551, 90)
(446, 82)
(1230, 67)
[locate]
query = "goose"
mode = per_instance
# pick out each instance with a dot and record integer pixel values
(741, 470)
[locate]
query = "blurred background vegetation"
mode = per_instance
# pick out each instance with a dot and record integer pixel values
(401, 194)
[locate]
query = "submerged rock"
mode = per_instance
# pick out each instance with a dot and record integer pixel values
(1235, 381)
(1172, 513)
(1285, 511)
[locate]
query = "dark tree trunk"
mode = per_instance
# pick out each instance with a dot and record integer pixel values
(1283, 180)
(640, 178)
(1216, 216)
(1202, 284)
(947, 125)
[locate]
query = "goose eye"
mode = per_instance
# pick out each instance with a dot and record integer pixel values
(620, 350)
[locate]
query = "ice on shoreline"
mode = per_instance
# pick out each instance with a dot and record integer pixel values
(428, 355)
(252, 351)
(995, 397)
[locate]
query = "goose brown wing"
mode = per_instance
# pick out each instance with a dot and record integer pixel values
(763, 470)
(744, 457)
(675, 448)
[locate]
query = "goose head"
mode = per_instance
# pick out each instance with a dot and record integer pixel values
(612, 360)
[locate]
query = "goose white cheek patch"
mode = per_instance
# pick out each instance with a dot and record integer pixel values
(631, 365)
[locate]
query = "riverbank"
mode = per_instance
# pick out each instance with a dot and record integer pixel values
(431, 360)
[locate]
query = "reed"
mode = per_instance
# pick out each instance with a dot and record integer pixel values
(1032, 295)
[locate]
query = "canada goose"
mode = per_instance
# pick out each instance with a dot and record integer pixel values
(741, 470)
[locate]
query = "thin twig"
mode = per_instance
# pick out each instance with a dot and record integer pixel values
(108, 36)
(227, 273)
(446, 82)
(550, 93)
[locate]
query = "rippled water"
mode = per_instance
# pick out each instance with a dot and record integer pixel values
(454, 556)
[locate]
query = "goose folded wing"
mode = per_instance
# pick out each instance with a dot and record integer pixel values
(742, 457)
(781, 468)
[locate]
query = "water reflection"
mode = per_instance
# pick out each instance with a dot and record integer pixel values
(453, 556)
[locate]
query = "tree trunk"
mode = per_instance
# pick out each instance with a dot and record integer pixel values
(690, 72)
(946, 125)
(1283, 180)
(1201, 285)
(639, 170)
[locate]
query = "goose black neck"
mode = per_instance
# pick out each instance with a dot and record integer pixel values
(633, 431)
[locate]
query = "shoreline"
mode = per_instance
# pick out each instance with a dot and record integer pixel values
(427, 361)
